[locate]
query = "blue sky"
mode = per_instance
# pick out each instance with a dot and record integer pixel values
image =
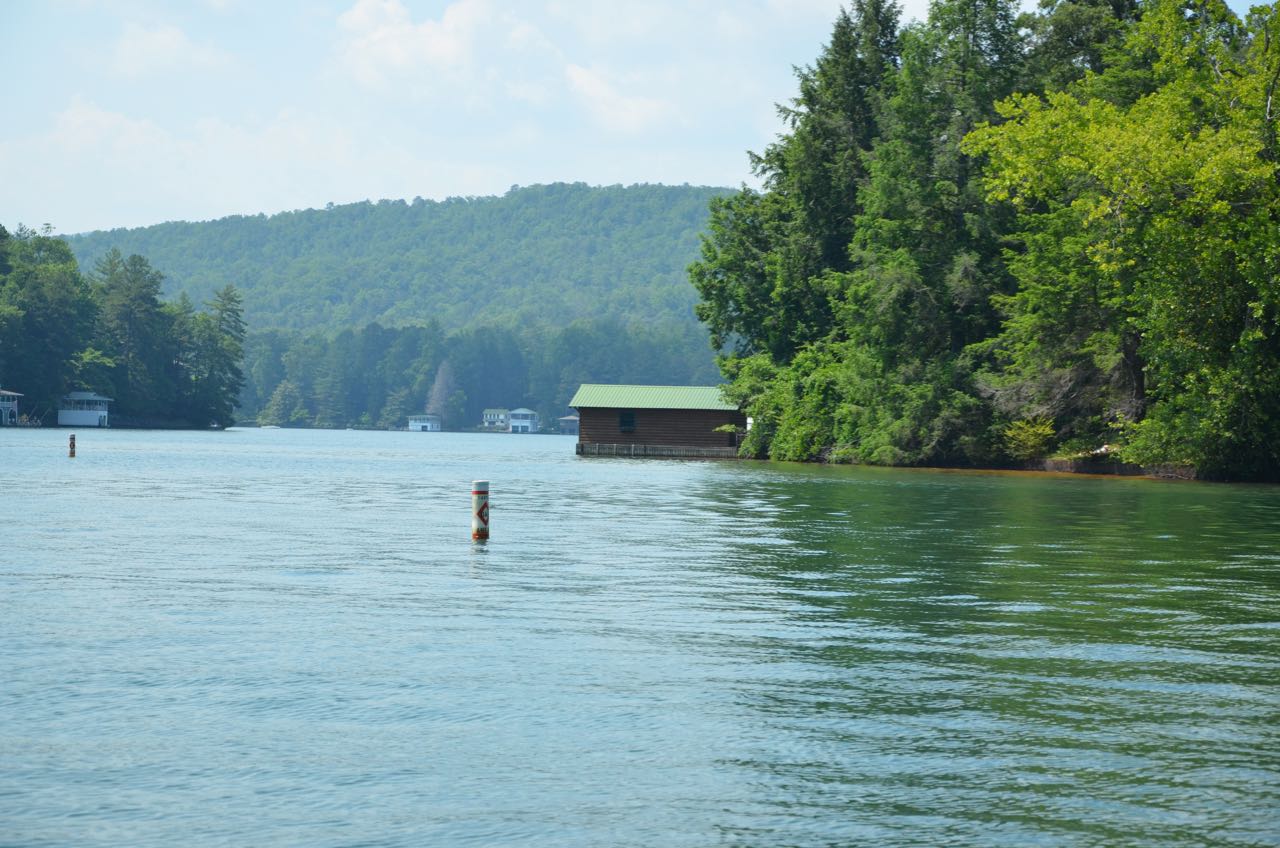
(134, 112)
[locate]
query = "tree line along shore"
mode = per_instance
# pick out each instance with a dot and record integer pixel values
(991, 237)
(987, 238)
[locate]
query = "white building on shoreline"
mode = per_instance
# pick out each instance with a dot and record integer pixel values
(524, 421)
(83, 409)
(425, 423)
(9, 408)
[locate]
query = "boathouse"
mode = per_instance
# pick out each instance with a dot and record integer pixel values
(425, 423)
(83, 409)
(689, 421)
(9, 408)
(523, 420)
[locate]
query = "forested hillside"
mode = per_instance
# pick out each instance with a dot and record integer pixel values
(988, 238)
(542, 255)
(363, 314)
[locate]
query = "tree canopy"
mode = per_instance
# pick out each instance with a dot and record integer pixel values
(355, 312)
(1060, 224)
(539, 255)
(164, 364)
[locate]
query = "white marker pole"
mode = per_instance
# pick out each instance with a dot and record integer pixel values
(480, 510)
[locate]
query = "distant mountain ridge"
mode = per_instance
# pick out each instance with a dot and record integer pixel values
(538, 255)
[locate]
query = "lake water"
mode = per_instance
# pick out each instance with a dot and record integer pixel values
(274, 637)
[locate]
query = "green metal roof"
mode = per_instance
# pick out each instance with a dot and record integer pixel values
(650, 397)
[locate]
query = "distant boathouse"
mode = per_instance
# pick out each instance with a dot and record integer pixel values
(425, 423)
(670, 421)
(83, 409)
(524, 420)
(9, 408)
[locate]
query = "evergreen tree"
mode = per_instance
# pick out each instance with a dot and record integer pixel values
(138, 334)
(847, 304)
(444, 398)
(215, 375)
(285, 407)
(47, 313)
(762, 276)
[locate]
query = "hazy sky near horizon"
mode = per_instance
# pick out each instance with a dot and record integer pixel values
(134, 112)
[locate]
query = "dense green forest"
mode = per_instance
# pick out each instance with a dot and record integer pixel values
(376, 376)
(984, 238)
(164, 363)
(168, 365)
(987, 238)
(365, 313)
(537, 256)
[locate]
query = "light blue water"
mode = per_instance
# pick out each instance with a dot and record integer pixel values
(287, 638)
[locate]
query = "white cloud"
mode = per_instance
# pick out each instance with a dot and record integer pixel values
(619, 23)
(83, 128)
(611, 109)
(141, 50)
(730, 26)
(143, 173)
(381, 39)
(378, 98)
(524, 37)
(527, 92)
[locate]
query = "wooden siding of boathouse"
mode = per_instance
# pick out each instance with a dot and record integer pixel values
(651, 424)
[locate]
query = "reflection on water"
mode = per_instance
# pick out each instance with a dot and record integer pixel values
(277, 637)
(1019, 659)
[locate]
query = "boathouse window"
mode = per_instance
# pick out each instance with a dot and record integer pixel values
(626, 421)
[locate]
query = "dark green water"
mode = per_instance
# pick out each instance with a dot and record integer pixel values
(280, 638)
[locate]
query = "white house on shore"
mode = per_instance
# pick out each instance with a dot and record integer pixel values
(83, 409)
(425, 423)
(9, 408)
(495, 419)
(524, 421)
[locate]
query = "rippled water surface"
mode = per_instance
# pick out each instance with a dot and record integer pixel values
(287, 638)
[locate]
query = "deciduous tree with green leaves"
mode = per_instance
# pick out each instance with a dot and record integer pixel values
(1150, 245)
(47, 314)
